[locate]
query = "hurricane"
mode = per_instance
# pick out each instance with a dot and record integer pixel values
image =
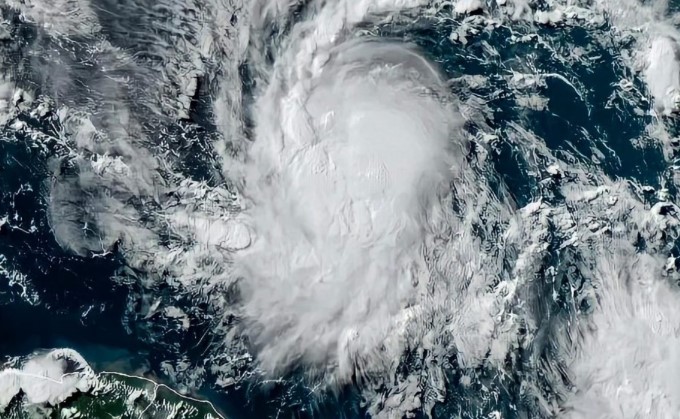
(339, 208)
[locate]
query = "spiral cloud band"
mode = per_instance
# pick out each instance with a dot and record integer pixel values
(348, 161)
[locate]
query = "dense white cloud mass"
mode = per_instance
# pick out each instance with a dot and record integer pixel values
(346, 190)
(48, 378)
(346, 178)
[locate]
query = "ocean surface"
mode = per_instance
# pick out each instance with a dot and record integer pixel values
(166, 213)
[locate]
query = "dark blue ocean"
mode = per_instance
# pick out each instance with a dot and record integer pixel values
(50, 298)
